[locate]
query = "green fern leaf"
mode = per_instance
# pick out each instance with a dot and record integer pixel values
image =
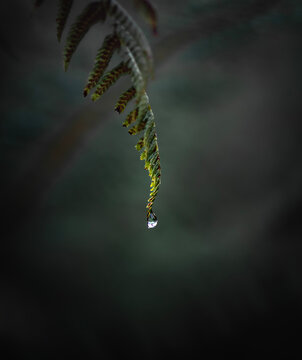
(141, 122)
(131, 118)
(145, 121)
(138, 62)
(140, 144)
(109, 79)
(103, 57)
(93, 13)
(63, 12)
(124, 99)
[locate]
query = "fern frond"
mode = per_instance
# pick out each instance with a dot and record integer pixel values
(63, 12)
(126, 25)
(124, 99)
(92, 13)
(137, 61)
(103, 57)
(109, 79)
(145, 121)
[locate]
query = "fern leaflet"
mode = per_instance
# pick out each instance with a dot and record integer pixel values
(109, 79)
(124, 99)
(103, 57)
(63, 12)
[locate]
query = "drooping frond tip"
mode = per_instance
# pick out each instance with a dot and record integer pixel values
(152, 162)
(144, 121)
(92, 13)
(148, 144)
(150, 154)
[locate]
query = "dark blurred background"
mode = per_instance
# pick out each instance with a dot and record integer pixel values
(221, 273)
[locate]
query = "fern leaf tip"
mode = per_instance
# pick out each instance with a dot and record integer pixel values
(95, 97)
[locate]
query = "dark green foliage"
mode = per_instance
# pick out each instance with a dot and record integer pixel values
(137, 62)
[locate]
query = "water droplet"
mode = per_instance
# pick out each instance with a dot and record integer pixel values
(152, 220)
